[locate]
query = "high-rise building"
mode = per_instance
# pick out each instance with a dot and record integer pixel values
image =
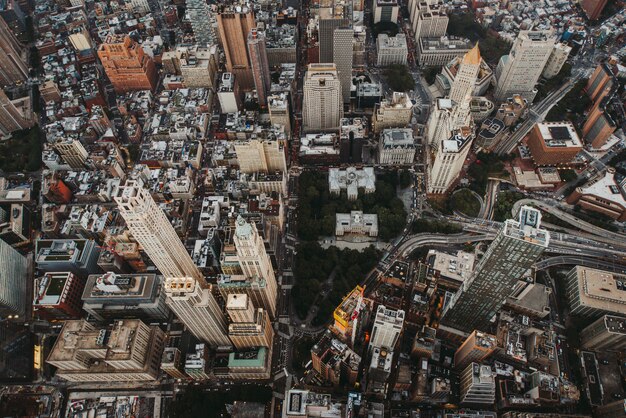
(148, 224)
(252, 256)
(229, 93)
(13, 67)
(386, 11)
(394, 113)
(593, 293)
(235, 23)
(554, 143)
(593, 8)
(120, 296)
(322, 107)
(257, 290)
(387, 328)
(511, 254)
(601, 82)
(250, 327)
(266, 156)
(602, 120)
(478, 385)
(449, 158)
(127, 65)
(476, 348)
(335, 15)
(379, 371)
(13, 278)
(15, 114)
(519, 71)
(192, 301)
(202, 20)
(607, 333)
(391, 50)
(128, 351)
(432, 21)
(57, 296)
(465, 79)
(343, 39)
(72, 152)
(557, 58)
(260, 67)
(188, 294)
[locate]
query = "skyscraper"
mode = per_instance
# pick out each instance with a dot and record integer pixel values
(322, 107)
(202, 21)
(476, 348)
(519, 71)
(252, 256)
(13, 277)
(478, 385)
(234, 23)
(431, 21)
(511, 254)
(336, 15)
(342, 57)
(266, 156)
(449, 158)
(387, 327)
(465, 80)
(188, 294)
(250, 327)
(13, 67)
(153, 231)
(14, 114)
(72, 151)
(127, 65)
(260, 67)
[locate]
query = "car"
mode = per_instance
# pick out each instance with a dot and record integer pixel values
(605, 362)
(617, 396)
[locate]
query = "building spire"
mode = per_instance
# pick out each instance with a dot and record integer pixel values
(473, 56)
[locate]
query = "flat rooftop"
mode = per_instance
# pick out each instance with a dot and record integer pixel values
(559, 135)
(602, 289)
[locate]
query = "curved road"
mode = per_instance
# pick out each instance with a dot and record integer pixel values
(602, 234)
(579, 261)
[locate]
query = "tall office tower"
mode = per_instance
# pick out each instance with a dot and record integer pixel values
(607, 333)
(476, 348)
(593, 8)
(518, 72)
(57, 296)
(557, 59)
(127, 65)
(386, 11)
(127, 351)
(14, 114)
(478, 385)
(387, 328)
(336, 15)
(322, 107)
(601, 82)
(449, 157)
(235, 23)
(465, 79)
(72, 152)
(201, 17)
(13, 67)
(154, 232)
(511, 254)
(260, 67)
(13, 277)
(267, 156)
(342, 57)
(193, 303)
(252, 256)
(172, 363)
(188, 294)
(432, 21)
(250, 327)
